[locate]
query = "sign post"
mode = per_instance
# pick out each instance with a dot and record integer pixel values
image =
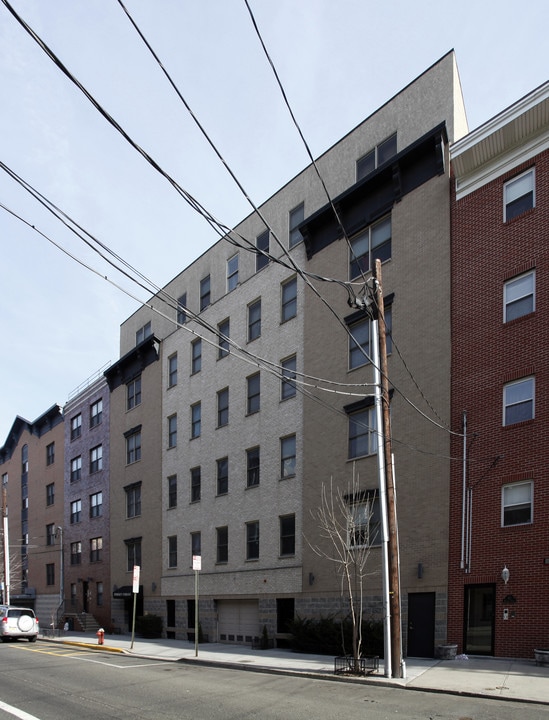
(135, 589)
(197, 566)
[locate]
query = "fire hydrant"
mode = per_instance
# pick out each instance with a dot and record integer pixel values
(100, 636)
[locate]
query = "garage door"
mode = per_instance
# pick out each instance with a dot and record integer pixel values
(238, 620)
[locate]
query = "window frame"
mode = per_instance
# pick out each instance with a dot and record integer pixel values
(196, 484)
(288, 303)
(222, 476)
(205, 292)
(172, 370)
(172, 431)
(96, 549)
(286, 536)
(172, 551)
(223, 407)
(133, 393)
(50, 494)
(76, 426)
(172, 491)
(76, 468)
(365, 428)
(513, 204)
(519, 300)
(133, 447)
(252, 540)
(96, 413)
(196, 356)
(96, 459)
(222, 544)
(253, 393)
(288, 456)
(515, 507)
(142, 333)
(531, 400)
(253, 466)
(232, 272)
(262, 243)
(75, 511)
(289, 374)
(196, 420)
(223, 333)
(295, 217)
(133, 500)
(254, 320)
(182, 309)
(367, 499)
(357, 266)
(96, 504)
(50, 453)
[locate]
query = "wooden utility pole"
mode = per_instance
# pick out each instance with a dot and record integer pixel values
(394, 556)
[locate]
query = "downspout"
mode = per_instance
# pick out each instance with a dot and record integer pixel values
(464, 492)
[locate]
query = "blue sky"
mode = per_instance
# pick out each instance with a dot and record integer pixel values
(338, 62)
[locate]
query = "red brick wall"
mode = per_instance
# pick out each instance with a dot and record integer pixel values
(486, 353)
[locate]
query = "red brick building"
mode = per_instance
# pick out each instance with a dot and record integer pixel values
(499, 505)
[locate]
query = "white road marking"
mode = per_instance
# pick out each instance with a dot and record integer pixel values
(18, 713)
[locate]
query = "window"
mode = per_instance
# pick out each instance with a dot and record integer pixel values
(195, 484)
(24, 459)
(223, 407)
(196, 356)
(76, 468)
(287, 534)
(262, 245)
(76, 426)
(133, 500)
(96, 549)
(76, 511)
(134, 393)
(371, 244)
(143, 333)
(133, 447)
(232, 272)
(172, 491)
(50, 494)
(518, 401)
(297, 215)
(96, 413)
(196, 544)
(222, 476)
(50, 453)
(50, 574)
(288, 373)
(133, 553)
(516, 504)
(96, 459)
(205, 292)
(223, 331)
(288, 308)
(50, 534)
(252, 540)
(172, 551)
(287, 456)
(182, 309)
(519, 296)
(96, 505)
(376, 157)
(222, 544)
(252, 467)
(76, 553)
(254, 320)
(172, 370)
(362, 433)
(172, 431)
(99, 594)
(518, 195)
(360, 333)
(252, 393)
(196, 415)
(365, 521)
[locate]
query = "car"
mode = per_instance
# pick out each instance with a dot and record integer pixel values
(18, 622)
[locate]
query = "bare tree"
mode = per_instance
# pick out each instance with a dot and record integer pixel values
(345, 520)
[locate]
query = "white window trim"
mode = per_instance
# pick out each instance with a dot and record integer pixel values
(530, 171)
(506, 285)
(503, 506)
(505, 405)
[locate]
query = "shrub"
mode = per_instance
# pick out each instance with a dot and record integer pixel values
(149, 626)
(333, 636)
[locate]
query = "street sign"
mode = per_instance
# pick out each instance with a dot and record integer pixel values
(136, 570)
(197, 562)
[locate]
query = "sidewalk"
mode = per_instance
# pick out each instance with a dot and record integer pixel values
(483, 677)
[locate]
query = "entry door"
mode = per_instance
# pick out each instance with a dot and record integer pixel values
(421, 624)
(479, 619)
